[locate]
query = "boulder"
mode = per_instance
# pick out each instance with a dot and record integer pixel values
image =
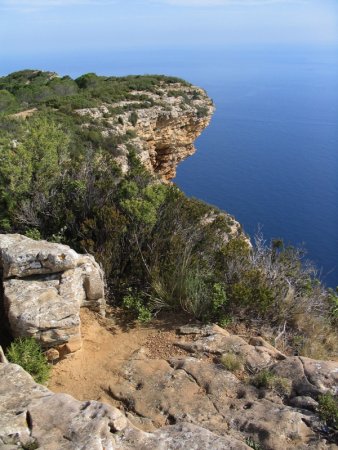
(309, 377)
(44, 286)
(257, 354)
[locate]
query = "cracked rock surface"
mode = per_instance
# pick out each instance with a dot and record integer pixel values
(198, 389)
(156, 397)
(31, 416)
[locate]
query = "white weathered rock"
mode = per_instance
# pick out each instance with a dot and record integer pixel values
(21, 257)
(44, 286)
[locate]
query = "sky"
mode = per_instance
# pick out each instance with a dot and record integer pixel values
(29, 27)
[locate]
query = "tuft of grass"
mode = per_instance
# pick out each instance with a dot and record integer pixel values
(232, 362)
(27, 353)
(253, 444)
(267, 380)
(328, 409)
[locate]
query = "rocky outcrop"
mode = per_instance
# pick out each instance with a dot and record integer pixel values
(202, 390)
(44, 286)
(165, 125)
(31, 416)
(190, 401)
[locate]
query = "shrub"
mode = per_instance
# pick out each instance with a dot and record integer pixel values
(133, 118)
(202, 111)
(232, 362)
(253, 444)
(267, 380)
(28, 354)
(328, 409)
(33, 233)
(332, 298)
(134, 302)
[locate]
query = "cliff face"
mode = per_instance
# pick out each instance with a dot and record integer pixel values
(161, 129)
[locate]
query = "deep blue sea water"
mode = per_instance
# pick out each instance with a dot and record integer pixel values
(270, 154)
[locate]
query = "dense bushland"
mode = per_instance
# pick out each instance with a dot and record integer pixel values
(159, 249)
(31, 88)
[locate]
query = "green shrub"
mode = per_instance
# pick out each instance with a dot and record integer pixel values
(253, 444)
(134, 302)
(232, 362)
(33, 233)
(202, 111)
(328, 409)
(133, 118)
(27, 353)
(267, 380)
(332, 298)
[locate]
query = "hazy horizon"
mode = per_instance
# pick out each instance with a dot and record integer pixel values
(35, 27)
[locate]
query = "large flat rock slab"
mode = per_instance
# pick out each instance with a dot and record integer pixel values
(21, 257)
(31, 416)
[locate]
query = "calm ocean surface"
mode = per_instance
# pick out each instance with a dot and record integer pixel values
(270, 154)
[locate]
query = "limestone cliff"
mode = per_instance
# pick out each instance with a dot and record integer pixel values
(161, 129)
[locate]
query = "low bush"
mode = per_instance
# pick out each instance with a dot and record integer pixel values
(253, 444)
(133, 118)
(268, 380)
(135, 303)
(232, 362)
(328, 409)
(27, 353)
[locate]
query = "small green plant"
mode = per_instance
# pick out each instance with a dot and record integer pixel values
(224, 321)
(33, 233)
(328, 409)
(333, 302)
(33, 445)
(28, 354)
(134, 302)
(202, 111)
(253, 444)
(59, 237)
(266, 379)
(133, 118)
(232, 362)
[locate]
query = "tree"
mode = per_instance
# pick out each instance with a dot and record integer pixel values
(48, 146)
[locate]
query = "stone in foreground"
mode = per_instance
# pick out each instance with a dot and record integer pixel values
(44, 286)
(31, 415)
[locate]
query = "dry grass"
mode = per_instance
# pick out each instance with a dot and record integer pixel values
(232, 362)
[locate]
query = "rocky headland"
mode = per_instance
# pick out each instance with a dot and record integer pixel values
(165, 126)
(128, 320)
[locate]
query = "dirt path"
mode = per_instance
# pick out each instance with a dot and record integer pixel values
(87, 374)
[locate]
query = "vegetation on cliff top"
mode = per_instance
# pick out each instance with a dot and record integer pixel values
(159, 249)
(34, 88)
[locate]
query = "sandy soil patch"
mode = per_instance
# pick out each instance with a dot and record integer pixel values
(107, 345)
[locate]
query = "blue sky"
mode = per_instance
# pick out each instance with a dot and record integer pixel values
(38, 26)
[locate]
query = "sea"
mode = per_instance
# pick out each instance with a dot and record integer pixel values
(270, 154)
